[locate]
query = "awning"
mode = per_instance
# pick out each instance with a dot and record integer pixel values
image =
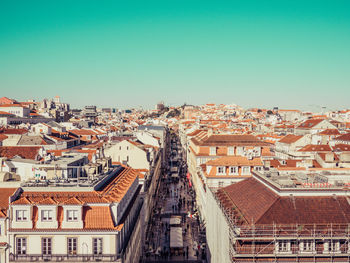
(175, 220)
(174, 169)
(176, 240)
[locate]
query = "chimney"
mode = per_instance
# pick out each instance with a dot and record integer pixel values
(210, 132)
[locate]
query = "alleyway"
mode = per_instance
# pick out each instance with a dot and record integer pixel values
(175, 199)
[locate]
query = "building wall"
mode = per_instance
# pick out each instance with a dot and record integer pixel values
(124, 150)
(59, 242)
(217, 230)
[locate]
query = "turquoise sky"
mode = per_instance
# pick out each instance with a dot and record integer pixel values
(135, 53)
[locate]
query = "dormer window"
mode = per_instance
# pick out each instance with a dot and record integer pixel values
(231, 151)
(46, 215)
(21, 215)
(283, 246)
(308, 246)
(212, 150)
(72, 215)
(233, 170)
(221, 170)
(245, 170)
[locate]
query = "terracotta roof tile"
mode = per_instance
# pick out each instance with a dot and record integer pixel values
(341, 147)
(259, 205)
(97, 217)
(329, 132)
(310, 123)
(344, 137)
(47, 201)
(13, 131)
(290, 138)
(316, 148)
(26, 152)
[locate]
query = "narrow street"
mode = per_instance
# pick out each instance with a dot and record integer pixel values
(173, 234)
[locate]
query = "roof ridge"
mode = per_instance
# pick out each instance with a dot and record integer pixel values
(270, 207)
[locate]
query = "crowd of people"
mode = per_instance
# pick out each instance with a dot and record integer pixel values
(175, 197)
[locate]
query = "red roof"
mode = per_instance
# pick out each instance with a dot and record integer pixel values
(11, 105)
(4, 198)
(26, 152)
(259, 205)
(341, 147)
(5, 113)
(330, 132)
(2, 137)
(290, 138)
(344, 137)
(251, 198)
(83, 132)
(316, 148)
(5, 100)
(310, 123)
(13, 131)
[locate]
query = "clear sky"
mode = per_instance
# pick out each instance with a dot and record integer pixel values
(286, 53)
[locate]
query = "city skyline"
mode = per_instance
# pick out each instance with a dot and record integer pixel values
(114, 54)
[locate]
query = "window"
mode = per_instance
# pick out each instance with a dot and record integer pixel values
(308, 245)
(333, 246)
(221, 170)
(221, 184)
(231, 150)
(46, 246)
(21, 243)
(212, 150)
(233, 170)
(97, 246)
(46, 215)
(246, 169)
(72, 246)
(283, 246)
(21, 215)
(72, 215)
(239, 151)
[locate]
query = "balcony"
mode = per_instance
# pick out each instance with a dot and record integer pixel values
(64, 258)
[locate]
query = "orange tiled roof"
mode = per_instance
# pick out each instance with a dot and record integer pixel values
(4, 197)
(98, 217)
(341, 147)
(344, 137)
(14, 131)
(316, 148)
(3, 137)
(310, 123)
(26, 152)
(329, 132)
(290, 138)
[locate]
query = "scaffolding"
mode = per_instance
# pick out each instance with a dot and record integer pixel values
(251, 242)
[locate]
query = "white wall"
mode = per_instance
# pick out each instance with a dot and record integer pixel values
(217, 232)
(59, 242)
(120, 151)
